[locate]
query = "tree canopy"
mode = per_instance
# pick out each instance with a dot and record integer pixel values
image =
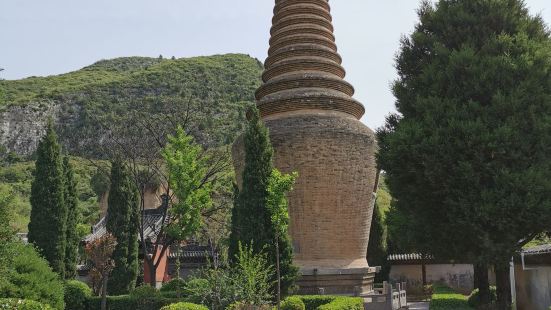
(467, 158)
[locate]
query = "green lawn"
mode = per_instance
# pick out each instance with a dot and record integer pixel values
(444, 298)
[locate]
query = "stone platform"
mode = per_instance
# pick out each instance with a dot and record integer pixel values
(349, 282)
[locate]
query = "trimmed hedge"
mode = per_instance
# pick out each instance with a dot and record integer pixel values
(293, 303)
(184, 306)
(323, 302)
(76, 295)
(344, 303)
(127, 302)
(21, 304)
(444, 298)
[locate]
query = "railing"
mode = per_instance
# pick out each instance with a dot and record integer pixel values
(387, 298)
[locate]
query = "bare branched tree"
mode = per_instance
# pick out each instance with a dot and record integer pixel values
(139, 139)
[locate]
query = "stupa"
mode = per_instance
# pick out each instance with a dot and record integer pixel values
(315, 130)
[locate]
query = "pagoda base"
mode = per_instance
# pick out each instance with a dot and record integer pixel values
(347, 282)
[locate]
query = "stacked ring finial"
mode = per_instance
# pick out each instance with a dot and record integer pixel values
(303, 70)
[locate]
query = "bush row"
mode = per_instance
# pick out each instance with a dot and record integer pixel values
(444, 298)
(21, 304)
(322, 303)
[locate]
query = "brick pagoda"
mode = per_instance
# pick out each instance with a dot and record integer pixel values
(315, 130)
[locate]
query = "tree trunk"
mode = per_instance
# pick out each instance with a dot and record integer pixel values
(278, 274)
(503, 284)
(482, 284)
(104, 293)
(152, 273)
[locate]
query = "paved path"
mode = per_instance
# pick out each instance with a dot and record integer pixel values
(418, 306)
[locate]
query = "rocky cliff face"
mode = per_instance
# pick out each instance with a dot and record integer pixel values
(22, 126)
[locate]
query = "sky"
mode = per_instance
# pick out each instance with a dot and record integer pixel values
(40, 38)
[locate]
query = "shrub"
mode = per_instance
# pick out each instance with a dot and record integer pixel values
(474, 298)
(247, 306)
(174, 286)
(144, 292)
(293, 303)
(313, 302)
(76, 295)
(344, 303)
(21, 304)
(445, 298)
(184, 306)
(126, 302)
(30, 277)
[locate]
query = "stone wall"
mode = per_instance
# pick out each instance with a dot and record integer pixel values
(458, 277)
(533, 287)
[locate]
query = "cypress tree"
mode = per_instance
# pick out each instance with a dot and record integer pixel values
(122, 223)
(468, 158)
(251, 218)
(73, 216)
(47, 227)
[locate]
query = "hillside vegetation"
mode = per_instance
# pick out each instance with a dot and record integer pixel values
(218, 89)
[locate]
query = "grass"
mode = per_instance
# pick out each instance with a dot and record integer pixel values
(444, 298)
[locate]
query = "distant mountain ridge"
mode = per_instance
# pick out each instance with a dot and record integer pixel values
(221, 86)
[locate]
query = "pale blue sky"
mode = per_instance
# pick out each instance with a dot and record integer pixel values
(44, 37)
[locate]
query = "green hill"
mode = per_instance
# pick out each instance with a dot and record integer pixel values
(220, 88)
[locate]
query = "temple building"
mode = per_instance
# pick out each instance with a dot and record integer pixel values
(315, 130)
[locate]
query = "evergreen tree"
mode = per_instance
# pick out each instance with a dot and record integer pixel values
(468, 159)
(73, 218)
(47, 228)
(122, 223)
(251, 218)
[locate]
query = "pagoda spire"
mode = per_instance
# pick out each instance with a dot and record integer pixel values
(303, 70)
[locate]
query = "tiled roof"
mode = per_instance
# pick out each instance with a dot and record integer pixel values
(191, 251)
(537, 250)
(406, 257)
(152, 226)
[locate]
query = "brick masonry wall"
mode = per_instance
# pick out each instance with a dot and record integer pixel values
(330, 206)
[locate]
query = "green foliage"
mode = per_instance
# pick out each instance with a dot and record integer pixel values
(378, 237)
(474, 301)
(6, 230)
(248, 281)
(184, 306)
(18, 177)
(73, 218)
(47, 228)
(344, 303)
(253, 276)
(106, 92)
(76, 295)
(292, 303)
(127, 302)
(188, 170)
(21, 304)
(122, 223)
(252, 219)
(174, 285)
(100, 182)
(30, 277)
(279, 185)
(444, 298)
(327, 302)
(468, 159)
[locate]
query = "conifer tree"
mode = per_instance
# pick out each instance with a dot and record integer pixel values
(47, 227)
(122, 223)
(251, 218)
(467, 160)
(73, 218)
